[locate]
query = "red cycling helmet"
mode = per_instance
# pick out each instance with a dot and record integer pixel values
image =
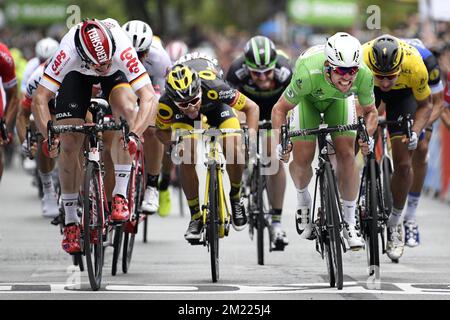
(94, 42)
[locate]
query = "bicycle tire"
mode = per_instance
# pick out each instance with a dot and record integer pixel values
(93, 222)
(371, 232)
(117, 245)
(387, 192)
(128, 241)
(333, 225)
(260, 221)
(128, 245)
(212, 222)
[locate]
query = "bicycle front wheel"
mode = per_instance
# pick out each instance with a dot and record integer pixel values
(333, 230)
(371, 232)
(212, 222)
(93, 225)
(387, 175)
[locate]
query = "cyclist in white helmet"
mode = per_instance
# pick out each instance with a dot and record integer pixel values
(44, 49)
(325, 80)
(176, 49)
(156, 61)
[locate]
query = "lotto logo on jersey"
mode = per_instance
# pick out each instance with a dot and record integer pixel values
(132, 61)
(58, 61)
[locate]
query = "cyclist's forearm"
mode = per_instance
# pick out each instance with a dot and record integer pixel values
(22, 121)
(39, 108)
(146, 115)
(423, 113)
(371, 119)
(438, 107)
(11, 108)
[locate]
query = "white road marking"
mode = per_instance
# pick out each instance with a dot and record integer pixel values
(350, 287)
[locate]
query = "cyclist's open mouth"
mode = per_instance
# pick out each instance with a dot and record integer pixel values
(345, 83)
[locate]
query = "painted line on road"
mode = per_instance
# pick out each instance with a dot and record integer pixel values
(298, 288)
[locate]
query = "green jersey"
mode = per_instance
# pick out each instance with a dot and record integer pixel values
(309, 82)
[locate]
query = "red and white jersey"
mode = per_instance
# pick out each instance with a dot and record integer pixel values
(31, 85)
(7, 74)
(66, 59)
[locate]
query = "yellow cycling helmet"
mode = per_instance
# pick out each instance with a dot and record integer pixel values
(182, 83)
(385, 55)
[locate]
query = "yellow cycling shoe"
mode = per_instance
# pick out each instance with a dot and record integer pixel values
(164, 203)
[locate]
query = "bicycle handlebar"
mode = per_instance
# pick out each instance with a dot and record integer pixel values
(405, 122)
(323, 129)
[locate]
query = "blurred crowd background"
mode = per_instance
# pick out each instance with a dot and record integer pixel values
(222, 27)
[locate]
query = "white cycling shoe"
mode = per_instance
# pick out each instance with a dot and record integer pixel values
(304, 223)
(150, 204)
(353, 237)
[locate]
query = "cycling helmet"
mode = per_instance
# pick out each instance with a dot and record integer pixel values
(94, 42)
(176, 49)
(260, 53)
(140, 34)
(343, 50)
(183, 83)
(45, 48)
(385, 55)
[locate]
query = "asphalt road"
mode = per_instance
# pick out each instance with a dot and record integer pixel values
(33, 265)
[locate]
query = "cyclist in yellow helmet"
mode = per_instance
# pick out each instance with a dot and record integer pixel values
(401, 82)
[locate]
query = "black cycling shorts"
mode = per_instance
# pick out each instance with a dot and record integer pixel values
(398, 103)
(74, 95)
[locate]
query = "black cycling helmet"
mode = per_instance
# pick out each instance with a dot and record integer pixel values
(182, 83)
(260, 53)
(386, 55)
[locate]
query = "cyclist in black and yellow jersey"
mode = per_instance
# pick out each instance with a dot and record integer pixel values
(195, 87)
(401, 82)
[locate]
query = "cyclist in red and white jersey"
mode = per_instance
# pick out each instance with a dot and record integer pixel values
(8, 94)
(94, 51)
(157, 62)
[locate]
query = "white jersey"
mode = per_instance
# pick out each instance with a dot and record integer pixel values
(32, 84)
(66, 59)
(157, 65)
(31, 66)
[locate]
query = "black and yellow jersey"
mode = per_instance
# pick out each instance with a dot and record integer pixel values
(413, 74)
(215, 91)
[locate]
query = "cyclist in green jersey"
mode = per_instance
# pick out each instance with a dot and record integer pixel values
(326, 80)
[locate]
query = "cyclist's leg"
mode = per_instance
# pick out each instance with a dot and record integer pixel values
(109, 178)
(342, 112)
(123, 104)
(71, 107)
(164, 193)
(402, 103)
(419, 165)
(153, 150)
(304, 116)
(189, 180)
(224, 117)
(276, 185)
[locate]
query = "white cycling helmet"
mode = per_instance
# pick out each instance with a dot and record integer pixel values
(45, 48)
(176, 49)
(343, 50)
(140, 34)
